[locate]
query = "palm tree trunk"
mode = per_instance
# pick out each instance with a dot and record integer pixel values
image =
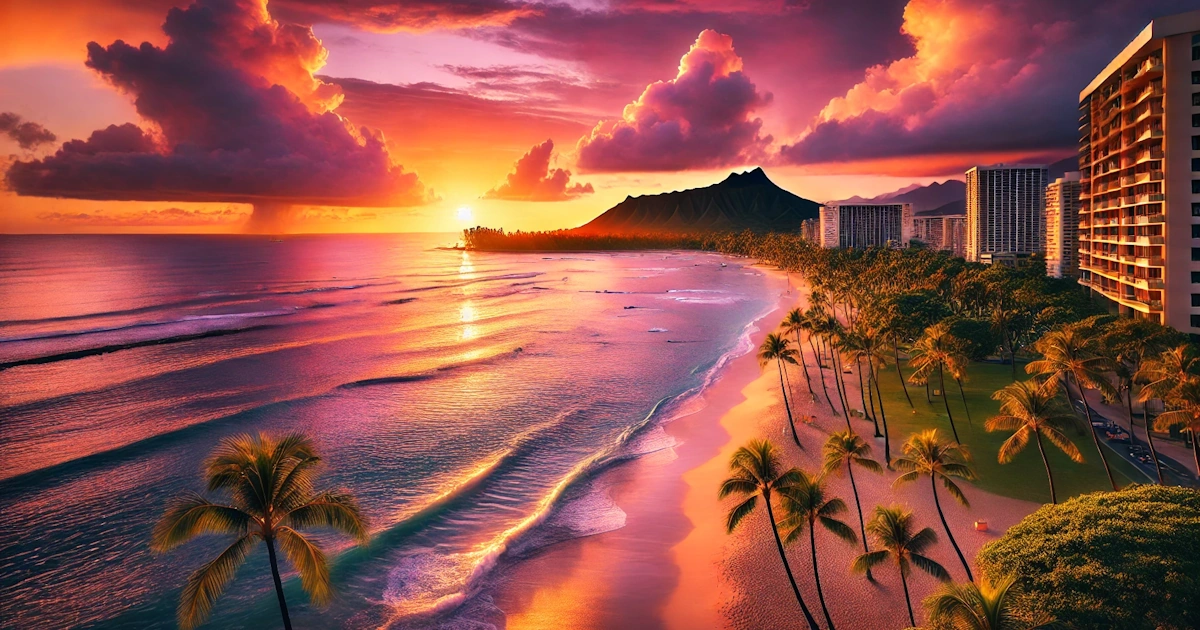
(839, 384)
(803, 364)
(963, 395)
(786, 406)
(937, 502)
(907, 600)
(287, 621)
(1091, 429)
(821, 371)
(1149, 438)
(862, 527)
(1196, 451)
(1046, 462)
(946, 402)
(812, 543)
(812, 622)
(899, 372)
(862, 393)
(1012, 353)
(887, 441)
(871, 397)
(927, 399)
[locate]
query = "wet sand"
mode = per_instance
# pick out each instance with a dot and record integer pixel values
(673, 566)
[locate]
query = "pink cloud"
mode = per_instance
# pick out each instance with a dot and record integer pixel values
(233, 114)
(175, 217)
(28, 135)
(532, 179)
(700, 119)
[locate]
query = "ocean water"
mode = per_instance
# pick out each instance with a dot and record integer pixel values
(471, 401)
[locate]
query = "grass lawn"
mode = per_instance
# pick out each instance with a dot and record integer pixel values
(1025, 476)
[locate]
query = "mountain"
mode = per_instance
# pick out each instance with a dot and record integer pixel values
(743, 201)
(958, 206)
(923, 198)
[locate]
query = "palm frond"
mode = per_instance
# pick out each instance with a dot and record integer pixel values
(190, 515)
(337, 510)
(309, 561)
(929, 566)
(867, 561)
(739, 512)
(839, 529)
(207, 583)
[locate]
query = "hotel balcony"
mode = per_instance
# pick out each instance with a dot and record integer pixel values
(1149, 240)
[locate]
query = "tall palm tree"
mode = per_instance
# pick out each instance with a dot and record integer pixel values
(805, 504)
(847, 449)
(934, 352)
(1166, 373)
(892, 529)
(958, 371)
(811, 319)
(890, 322)
(795, 324)
(756, 471)
(854, 346)
(974, 606)
(778, 349)
(1184, 412)
(1069, 357)
(926, 453)
(269, 482)
(1029, 410)
(831, 333)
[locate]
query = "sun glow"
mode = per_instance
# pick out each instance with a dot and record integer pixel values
(464, 214)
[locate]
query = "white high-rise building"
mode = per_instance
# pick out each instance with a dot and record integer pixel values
(1006, 211)
(866, 225)
(1062, 222)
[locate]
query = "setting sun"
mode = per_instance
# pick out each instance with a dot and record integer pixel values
(464, 214)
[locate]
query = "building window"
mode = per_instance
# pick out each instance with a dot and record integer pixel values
(1196, 209)
(1195, 321)
(1196, 230)
(1196, 186)
(1196, 120)
(1195, 77)
(1196, 164)
(1195, 299)
(1196, 277)
(1196, 253)
(1196, 143)
(1195, 53)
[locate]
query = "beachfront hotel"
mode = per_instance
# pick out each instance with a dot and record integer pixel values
(1139, 155)
(942, 232)
(865, 225)
(1005, 212)
(1062, 219)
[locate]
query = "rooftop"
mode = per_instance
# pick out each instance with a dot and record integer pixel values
(1166, 26)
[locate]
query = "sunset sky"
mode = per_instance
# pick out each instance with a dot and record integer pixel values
(364, 115)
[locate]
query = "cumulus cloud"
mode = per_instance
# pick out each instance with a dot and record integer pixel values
(985, 76)
(409, 15)
(532, 179)
(233, 113)
(27, 135)
(700, 119)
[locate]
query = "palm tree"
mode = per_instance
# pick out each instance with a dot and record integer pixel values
(1028, 410)
(1170, 370)
(973, 606)
(777, 348)
(892, 528)
(1069, 357)
(795, 324)
(269, 482)
(958, 371)
(805, 504)
(811, 317)
(849, 450)
(1185, 414)
(756, 471)
(925, 453)
(933, 353)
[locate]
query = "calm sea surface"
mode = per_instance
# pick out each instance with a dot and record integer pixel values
(470, 401)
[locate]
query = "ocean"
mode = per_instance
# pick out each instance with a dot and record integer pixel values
(471, 401)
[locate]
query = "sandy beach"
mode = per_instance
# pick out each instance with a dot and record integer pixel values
(673, 566)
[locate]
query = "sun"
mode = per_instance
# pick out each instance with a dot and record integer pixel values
(464, 214)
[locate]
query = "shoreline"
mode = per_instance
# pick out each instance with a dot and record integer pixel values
(673, 567)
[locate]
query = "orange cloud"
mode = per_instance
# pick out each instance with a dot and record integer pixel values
(532, 179)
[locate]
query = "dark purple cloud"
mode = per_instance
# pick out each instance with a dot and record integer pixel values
(28, 135)
(702, 118)
(532, 179)
(234, 115)
(408, 15)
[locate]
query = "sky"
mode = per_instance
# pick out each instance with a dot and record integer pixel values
(434, 115)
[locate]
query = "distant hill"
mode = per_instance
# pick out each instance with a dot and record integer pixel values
(743, 201)
(958, 206)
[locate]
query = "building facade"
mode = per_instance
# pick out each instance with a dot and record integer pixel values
(1005, 210)
(866, 225)
(1139, 157)
(1062, 221)
(942, 232)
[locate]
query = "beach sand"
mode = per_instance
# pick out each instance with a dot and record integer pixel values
(672, 565)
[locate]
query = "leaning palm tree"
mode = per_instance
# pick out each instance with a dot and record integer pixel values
(892, 529)
(1069, 357)
(269, 482)
(926, 453)
(777, 348)
(1166, 373)
(933, 352)
(756, 471)
(847, 449)
(1184, 413)
(1029, 410)
(973, 606)
(805, 504)
(812, 318)
(795, 324)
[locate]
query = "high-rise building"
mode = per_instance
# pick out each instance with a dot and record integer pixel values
(866, 225)
(1062, 220)
(1139, 156)
(1005, 210)
(942, 232)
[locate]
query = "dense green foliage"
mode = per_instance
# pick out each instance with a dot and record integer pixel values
(1128, 559)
